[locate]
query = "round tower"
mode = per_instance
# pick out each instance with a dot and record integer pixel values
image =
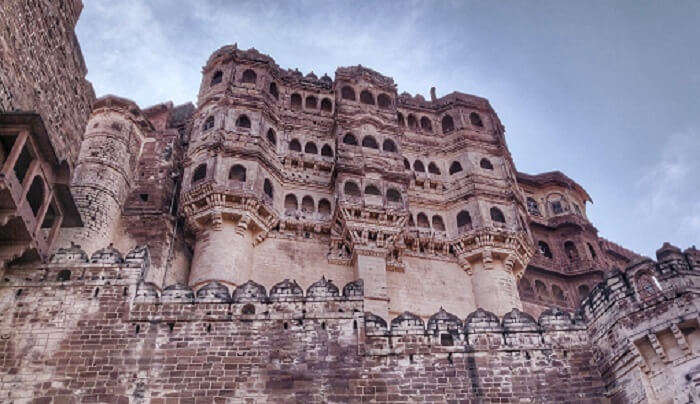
(106, 164)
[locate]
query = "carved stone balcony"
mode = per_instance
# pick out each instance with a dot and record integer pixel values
(35, 200)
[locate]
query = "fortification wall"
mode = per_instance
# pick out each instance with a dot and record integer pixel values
(102, 336)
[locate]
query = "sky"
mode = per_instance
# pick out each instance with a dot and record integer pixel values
(607, 92)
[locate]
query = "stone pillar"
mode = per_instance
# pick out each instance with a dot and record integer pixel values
(372, 270)
(222, 253)
(103, 173)
(495, 288)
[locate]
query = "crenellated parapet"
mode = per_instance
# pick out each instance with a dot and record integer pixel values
(643, 324)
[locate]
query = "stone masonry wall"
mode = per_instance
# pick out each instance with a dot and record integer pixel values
(43, 69)
(97, 337)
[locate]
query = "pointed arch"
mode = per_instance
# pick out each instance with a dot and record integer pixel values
(310, 148)
(455, 167)
(295, 146)
(326, 151)
(249, 76)
(418, 166)
(497, 215)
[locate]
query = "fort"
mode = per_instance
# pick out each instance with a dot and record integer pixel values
(295, 238)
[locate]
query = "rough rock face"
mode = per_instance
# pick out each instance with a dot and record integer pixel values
(296, 238)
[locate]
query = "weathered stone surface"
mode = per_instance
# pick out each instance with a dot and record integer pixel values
(414, 205)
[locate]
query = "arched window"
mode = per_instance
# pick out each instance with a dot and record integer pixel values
(571, 251)
(541, 288)
(422, 220)
(243, 122)
(497, 215)
(448, 125)
(418, 166)
(533, 207)
(350, 139)
(485, 164)
(326, 151)
(389, 146)
(433, 168)
(393, 195)
(63, 275)
(475, 119)
(249, 76)
(267, 188)
(324, 208)
(383, 101)
(425, 124)
(455, 167)
(372, 190)
(290, 203)
(296, 102)
(216, 78)
(208, 123)
(311, 148)
(370, 142)
(411, 223)
(400, 119)
(544, 249)
(464, 219)
(406, 164)
(295, 146)
(35, 194)
(558, 293)
(347, 93)
(248, 309)
(199, 173)
(273, 90)
(237, 173)
(438, 223)
(326, 105)
(583, 291)
(271, 137)
(351, 189)
(366, 97)
(307, 204)
(591, 250)
(311, 102)
(412, 122)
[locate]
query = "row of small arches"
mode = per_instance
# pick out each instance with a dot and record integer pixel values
(463, 218)
(308, 205)
(541, 290)
(370, 142)
(241, 122)
(351, 188)
(455, 167)
(569, 248)
(310, 148)
(425, 124)
(237, 173)
(366, 97)
(250, 77)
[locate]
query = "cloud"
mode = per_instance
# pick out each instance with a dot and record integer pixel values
(670, 189)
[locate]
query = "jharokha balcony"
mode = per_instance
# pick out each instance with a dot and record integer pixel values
(35, 200)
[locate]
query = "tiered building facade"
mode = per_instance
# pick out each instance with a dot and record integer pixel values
(237, 218)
